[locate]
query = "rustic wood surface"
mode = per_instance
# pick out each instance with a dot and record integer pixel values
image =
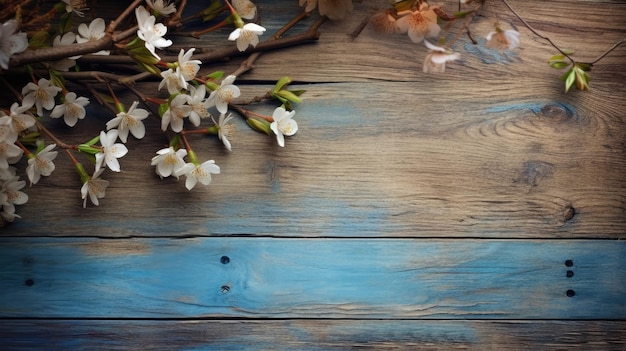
(410, 211)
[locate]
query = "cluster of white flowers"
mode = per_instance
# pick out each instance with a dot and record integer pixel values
(191, 98)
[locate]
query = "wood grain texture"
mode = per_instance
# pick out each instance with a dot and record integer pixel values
(314, 278)
(312, 335)
(493, 148)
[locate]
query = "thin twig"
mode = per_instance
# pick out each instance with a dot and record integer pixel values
(607, 51)
(113, 24)
(537, 33)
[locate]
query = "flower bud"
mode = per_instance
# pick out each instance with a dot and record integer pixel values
(259, 125)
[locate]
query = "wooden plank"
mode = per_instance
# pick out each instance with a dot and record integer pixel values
(493, 148)
(317, 278)
(526, 167)
(310, 335)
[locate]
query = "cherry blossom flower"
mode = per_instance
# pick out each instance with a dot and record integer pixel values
(384, 22)
(66, 39)
(196, 102)
(224, 129)
(151, 33)
(197, 173)
(41, 164)
(7, 132)
(11, 42)
(20, 120)
(10, 195)
(130, 121)
(111, 151)
(168, 161)
(435, 61)
(333, 9)
(41, 95)
(248, 35)
(175, 115)
(222, 96)
(72, 109)
(245, 8)
(94, 187)
(188, 68)
(174, 81)
(76, 6)
(93, 32)
(161, 7)
(503, 39)
(283, 124)
(9, 152)
(420, 24)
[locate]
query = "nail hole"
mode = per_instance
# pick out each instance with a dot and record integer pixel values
(569, 274)
(224, 259)
(569, 263)
(29, 282)
(224, 289)
(570, 293)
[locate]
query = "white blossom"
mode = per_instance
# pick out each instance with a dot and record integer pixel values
(41, 95)
(72, 109)
(196, 102)
(95, 31)
(503, 39)
(11, 42)
(9, 154)
(76, 6)
(225, 130)
(41, 164)
(94, 188)
(419, 24)
(174, 80)
(168, 161)
(188, 68)
(162, 7)
(283, 124)
(66, 39)
(21, 119)
(245, 8)
(151, 33)
(435, 60)
(176, 113)
(130, 121)
(246, 36)
(11, 196)
(111, 151)
(222, 96)
(197, 173)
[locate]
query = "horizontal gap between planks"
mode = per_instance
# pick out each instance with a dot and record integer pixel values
(325, 237)
(270, 319)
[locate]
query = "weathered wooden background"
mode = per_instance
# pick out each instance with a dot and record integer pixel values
(479, 209)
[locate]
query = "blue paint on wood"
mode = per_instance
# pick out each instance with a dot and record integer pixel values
(312, 278)
(535, 107)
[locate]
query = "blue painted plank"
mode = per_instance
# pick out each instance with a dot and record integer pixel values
(311, 278)
(311, 335)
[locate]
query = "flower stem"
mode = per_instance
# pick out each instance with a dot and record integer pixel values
(56, 140)
(537, 33)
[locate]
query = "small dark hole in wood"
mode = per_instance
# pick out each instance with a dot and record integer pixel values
(224, 289)
(29, 282)
(569, 274)
(224, 260)
(28, 260)
(569, 263)
(570, 293)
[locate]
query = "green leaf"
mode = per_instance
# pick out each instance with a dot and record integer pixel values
(584, 66)
(39, 40)
(557, 57)
(259, 125)
(282, 82)
(289, 96)
(163, 108)
(65, 24)
(569, 78)
(559, 64)
(217, 75)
